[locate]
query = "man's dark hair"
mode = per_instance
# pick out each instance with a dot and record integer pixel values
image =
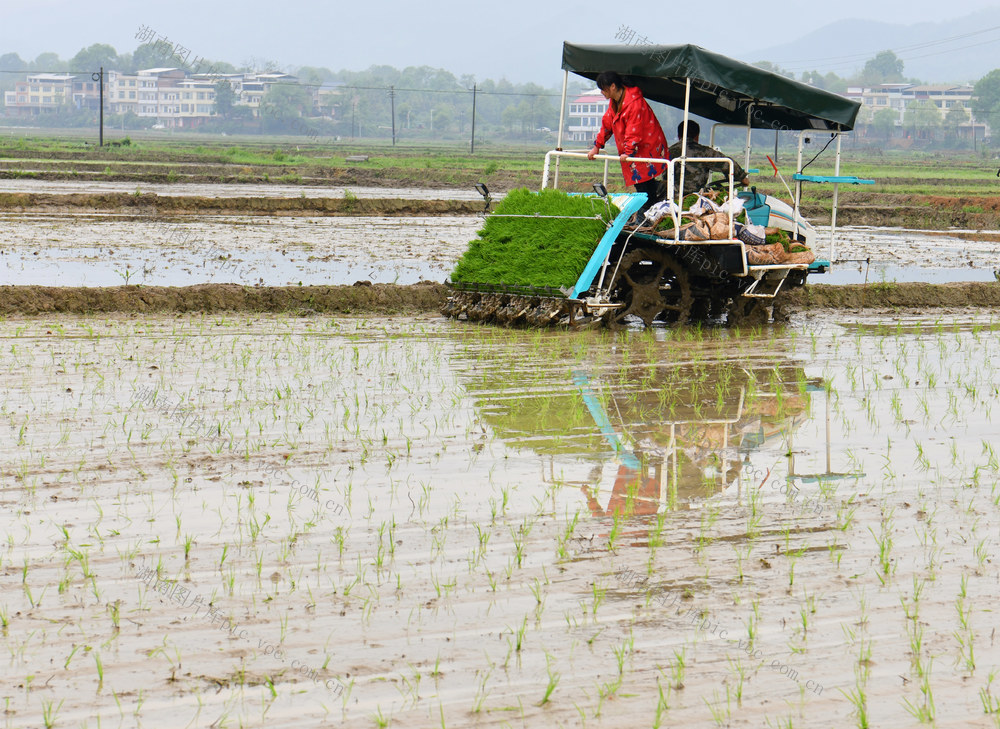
(693, 129)
(605, 80)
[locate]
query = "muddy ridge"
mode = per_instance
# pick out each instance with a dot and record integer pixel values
(422, 297)
(152, 204)
(498, 181)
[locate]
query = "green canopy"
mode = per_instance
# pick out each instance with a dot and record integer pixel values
(722, 89)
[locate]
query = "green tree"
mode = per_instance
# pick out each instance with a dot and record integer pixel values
(884, 122)
(774, 68)
(217, 67)
(922, 118)
(829, 82)
(94, 57)
(509, 117)
(48, 62)
(957, 116)
(442, 118)
(225, 98)
(314, 74)
(836, 84)
(12, 62)
(149, 55)
(283, 104)
(986, 98)
(885, 68)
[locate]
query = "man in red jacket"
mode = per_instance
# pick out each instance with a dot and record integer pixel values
(637, 133)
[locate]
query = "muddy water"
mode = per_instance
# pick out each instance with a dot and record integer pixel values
(102, 250)
(106, 250)
(862, 273)
(283, 522)
(908, 249)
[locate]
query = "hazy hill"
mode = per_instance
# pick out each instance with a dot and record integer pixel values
(844, 46)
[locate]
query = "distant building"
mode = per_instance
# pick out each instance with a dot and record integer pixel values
(585, 113)
(170, 96)
(42, 92)
(325, 97)
(122, 93)
(881, 96)
(899, 96)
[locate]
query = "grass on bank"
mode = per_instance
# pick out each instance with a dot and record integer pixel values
(297, 159)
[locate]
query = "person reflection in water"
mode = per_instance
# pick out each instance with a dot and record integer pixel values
(632, 495)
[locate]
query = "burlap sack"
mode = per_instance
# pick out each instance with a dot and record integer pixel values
(765, 255)
(806, 256)
(718, 225)
(712, 226)
(697, 229)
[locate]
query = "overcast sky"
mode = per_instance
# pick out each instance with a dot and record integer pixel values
(516, 39)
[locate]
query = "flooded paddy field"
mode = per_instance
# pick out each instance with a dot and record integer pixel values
(872, 254)
(108, 249)
(274, 521)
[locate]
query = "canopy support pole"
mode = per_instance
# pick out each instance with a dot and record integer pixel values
(747, 148)
(798, 183)
(562, 119)
(833, 217)
(684, 142)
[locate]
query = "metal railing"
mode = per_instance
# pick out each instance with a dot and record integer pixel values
(676, 210)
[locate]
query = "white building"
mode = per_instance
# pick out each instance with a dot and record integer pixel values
(171, 96)
(899, 96)
(585, 113)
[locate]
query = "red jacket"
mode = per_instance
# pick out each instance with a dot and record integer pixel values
(637, 132)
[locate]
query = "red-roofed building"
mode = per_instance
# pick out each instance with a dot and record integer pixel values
(585, 114)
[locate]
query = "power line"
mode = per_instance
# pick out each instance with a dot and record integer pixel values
(897, 51)
(76, 73)
(952, 50)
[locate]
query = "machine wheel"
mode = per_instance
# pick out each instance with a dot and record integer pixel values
(747, 312)
(653, 286)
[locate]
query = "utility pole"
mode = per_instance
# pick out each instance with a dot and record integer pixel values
(472, 143)
(392, 99)
(99, 77)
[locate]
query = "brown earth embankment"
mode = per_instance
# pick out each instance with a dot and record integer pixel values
(153, 204)
(426, 297)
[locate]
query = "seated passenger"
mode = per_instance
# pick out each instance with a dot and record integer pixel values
(696, 173)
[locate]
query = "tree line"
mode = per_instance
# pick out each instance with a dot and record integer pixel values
(428, 102)
(425, 102)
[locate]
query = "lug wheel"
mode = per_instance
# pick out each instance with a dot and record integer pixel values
(653, 286)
